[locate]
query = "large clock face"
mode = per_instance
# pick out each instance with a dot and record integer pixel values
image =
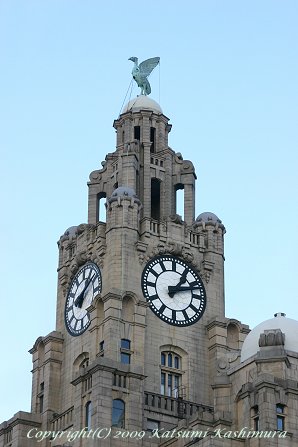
(84, 287)
(174, 290)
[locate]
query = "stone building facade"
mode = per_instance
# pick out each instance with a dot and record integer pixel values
(142, 353)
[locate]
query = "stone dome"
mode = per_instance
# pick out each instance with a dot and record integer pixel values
(208, 217)
(71, 231)
(287, 325)
(124, 191)
(142, 102)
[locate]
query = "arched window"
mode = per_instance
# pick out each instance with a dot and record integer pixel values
(171, 374)
(118, 413)
(101, 209)
(88, 407)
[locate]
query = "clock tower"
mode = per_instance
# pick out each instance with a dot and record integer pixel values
(135, 292)
(142, 346)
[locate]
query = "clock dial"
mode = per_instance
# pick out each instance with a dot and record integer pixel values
(174, 290)
(84, 287)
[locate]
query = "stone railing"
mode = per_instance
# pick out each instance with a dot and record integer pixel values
(151, 226)
(174, 406)
(154, 226)
(63, 420)
(194, 238)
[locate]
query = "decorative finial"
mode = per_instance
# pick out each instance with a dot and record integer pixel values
(141, 72)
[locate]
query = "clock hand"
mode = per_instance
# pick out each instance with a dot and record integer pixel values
(182, 279)
(80, 298)
(174, 289)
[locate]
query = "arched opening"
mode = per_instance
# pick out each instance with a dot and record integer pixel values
(155, 198)
(118, 413)
(179, 199)
(101, 209)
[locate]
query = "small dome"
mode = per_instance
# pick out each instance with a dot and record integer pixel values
(287, 325)
(208, 217)
(124, 191)
(142, 102)
(70, 232)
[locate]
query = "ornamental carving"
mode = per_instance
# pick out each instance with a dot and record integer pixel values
(273, 337)
(176, 218)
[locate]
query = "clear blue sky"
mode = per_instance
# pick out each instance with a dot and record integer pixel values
(228, 82)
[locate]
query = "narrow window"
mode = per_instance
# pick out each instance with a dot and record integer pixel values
(137, 133)
(40, 397)
(163, 359)
(41, 404)
(170, 385)
(163, 380)
(101, 209)
(255, 417)
(155, 199)
(176, 363)
(280, 418)
(152, 139)
(101, 348)
(179, 190)
(118, 413)
(170, 360)
(125, 353)
(176, 386)
(88, 415)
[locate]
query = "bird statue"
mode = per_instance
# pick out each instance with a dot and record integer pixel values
(141, 72)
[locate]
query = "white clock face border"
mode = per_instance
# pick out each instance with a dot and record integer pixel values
(184, 307)
(76, 317)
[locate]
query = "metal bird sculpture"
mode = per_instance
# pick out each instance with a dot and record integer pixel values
(141, 72)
